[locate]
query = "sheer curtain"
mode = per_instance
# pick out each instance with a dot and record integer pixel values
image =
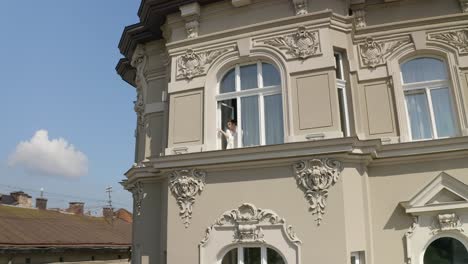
(274, 133)
(423, 69)
(443, 112)
(418, 112)
(250, 121)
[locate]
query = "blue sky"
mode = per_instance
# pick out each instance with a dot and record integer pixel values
(57, 74)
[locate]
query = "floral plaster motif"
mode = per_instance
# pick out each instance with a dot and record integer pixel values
(373, 53)
(185, 184)
(445, 222)
(315, 177)
(457, 39)
(193, 64)
(138, 196)
(301, 44)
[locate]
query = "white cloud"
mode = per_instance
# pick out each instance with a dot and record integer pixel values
(49, 157)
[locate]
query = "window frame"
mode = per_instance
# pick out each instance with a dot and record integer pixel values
(341, 86)
(426, 87)
(240, 253)
(260, 91)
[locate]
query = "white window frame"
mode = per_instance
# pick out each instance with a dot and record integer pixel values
(240, 254)
(341, 86)
(426, 87)
(238, 94)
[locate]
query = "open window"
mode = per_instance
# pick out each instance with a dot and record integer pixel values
(250, 99)
(428, 99)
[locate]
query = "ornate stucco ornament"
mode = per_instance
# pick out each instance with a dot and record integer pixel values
(373, 53)
(445, 222)
(360, 18)
(464, 5)
(315, 177)
(139, 60)
(246, 221)
(301, 44)
(193, 64)
(457, 39)
(185, 184)
(138, 196)
(300, 6)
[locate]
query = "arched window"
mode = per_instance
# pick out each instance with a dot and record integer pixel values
(252, 255)
(251, 96)
(428, 99)
(446, 250)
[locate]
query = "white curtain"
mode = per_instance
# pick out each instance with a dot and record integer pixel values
(423, 69)
(250, 121)
(248, 77)
(418, 112)
(443, 112)
(273, 119)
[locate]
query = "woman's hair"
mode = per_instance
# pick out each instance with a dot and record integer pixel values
(233, 121)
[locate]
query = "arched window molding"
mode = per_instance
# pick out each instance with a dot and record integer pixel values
(449, 58)
(216, 72)
(249, 226)
(440, 209)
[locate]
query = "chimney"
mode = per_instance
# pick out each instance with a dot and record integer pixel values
(41, 203)
(108, 213)
(22, 199)
(76, 208)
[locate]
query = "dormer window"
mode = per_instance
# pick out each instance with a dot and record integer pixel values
(250, 96)
(428, 99)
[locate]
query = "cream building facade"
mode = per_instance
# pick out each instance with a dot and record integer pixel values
(351, 143)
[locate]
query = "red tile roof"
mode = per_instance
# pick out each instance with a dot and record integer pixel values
(28, 227)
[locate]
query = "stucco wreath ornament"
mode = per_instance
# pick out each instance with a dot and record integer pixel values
(193, 64)
(301, 44)
(315, 177)
(185, 185)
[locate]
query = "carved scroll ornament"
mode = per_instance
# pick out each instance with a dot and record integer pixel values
(193, 64)
(301, 44)
(185, 184)
(246, 221)
(373, 53)
(315, 177)
(138, 196)
(457, 39)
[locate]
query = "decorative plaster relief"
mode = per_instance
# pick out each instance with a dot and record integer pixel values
(246, 221)
(191, 14)
(301, 44)
(457, 39)
(315, 177)
(360, 18)
(300, 6)
(464, 5)
(373, 53)
(138, 196)
(193, 64)
(139, 61)
(185, 184)
(445, 222)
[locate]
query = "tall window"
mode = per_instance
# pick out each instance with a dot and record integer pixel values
(251, 95)
(252, 255)
(428, 99)
(342, 98)
(446, 250)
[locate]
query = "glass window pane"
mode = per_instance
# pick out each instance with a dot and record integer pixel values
(270, 74)
(338, 73)
(274, 257)
(228, 83)
(252, 256)
(423, 69)
(343, 117)
(248, 76)
(274, 119)
(228, 113)
(250, 121)
(443, 114)
(230, 257)
(418, 112)
(446, 250)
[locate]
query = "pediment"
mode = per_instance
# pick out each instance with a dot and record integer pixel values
(444, 192)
